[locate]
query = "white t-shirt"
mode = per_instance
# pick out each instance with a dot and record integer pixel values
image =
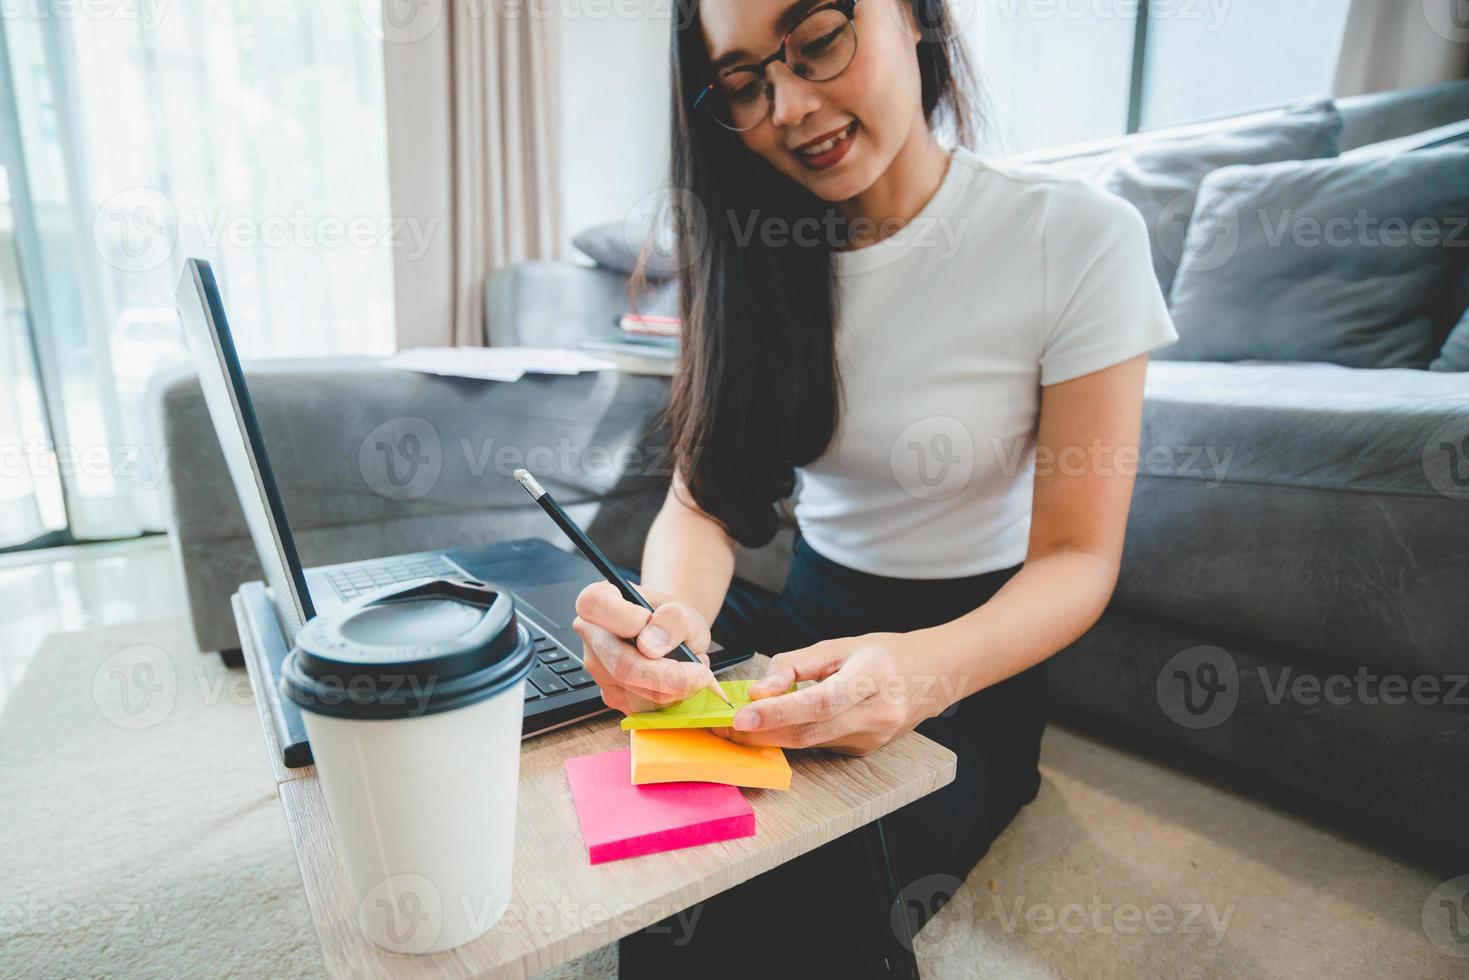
(1010, 278)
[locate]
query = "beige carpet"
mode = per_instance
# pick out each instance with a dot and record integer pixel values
(144, 839)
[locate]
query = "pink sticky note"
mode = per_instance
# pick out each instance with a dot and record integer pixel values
(620, 820)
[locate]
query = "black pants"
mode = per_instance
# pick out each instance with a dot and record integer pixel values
(807, 917)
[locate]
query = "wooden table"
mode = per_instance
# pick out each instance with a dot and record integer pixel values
(563, 906)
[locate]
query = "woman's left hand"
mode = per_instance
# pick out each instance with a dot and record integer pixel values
(870, 690)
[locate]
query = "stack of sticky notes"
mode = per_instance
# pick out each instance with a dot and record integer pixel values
(678, 784)
(621, 820)
(689, 754)
(703, 710)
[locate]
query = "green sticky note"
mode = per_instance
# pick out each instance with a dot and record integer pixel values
(703, 710)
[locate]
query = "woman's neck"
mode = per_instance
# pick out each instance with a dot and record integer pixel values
(896, 197)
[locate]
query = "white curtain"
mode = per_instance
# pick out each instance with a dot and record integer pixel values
(20, 435)
(251, 135)
(507, 203)
(1396, 44)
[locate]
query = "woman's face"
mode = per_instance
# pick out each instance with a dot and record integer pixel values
(871, 109)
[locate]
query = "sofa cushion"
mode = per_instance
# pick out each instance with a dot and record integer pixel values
(1354, 738)
(1161, 178)
(1455, 353)
(1350, 262)
(558, 304)
(1320, 507)
(616, 245)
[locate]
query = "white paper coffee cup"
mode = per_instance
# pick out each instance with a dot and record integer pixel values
(413, 699)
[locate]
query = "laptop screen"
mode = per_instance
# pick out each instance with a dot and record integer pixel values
(223, 383)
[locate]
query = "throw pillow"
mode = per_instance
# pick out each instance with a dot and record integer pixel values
(1345, 261)
(1455, 353)
(1162, 179)
(608, 246)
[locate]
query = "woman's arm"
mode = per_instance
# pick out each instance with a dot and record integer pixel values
(688, 554)
(878, 686)
(688, 563)
(1087, 455)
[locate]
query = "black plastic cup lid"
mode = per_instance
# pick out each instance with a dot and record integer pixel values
(411, 650)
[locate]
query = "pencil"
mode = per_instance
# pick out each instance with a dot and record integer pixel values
(609, 571)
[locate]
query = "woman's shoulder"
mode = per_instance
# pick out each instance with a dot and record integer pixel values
(1047, 190)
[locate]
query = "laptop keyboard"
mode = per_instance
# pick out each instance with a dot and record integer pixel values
(556, 671)
(365, 576)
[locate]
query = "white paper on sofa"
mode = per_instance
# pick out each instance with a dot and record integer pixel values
(496, 363)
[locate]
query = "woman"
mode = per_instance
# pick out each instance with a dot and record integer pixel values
(949, 353)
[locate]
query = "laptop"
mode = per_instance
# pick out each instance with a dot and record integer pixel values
(542, 579)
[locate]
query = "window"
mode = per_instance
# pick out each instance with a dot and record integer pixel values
(1252, 55)
(135, 136)
(1050, 75)
(1068, 71)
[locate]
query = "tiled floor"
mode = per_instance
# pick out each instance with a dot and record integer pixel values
(59, 589)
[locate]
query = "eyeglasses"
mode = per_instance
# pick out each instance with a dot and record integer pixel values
(818, 49)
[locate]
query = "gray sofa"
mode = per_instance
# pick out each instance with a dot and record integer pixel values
(1316, 552)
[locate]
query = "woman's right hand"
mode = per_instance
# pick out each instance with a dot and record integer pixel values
(624, 647)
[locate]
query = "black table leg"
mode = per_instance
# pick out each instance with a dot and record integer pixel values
(892, 936)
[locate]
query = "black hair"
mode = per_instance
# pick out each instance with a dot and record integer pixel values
(757, 391)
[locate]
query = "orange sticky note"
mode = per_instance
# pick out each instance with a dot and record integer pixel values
(668, 755)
